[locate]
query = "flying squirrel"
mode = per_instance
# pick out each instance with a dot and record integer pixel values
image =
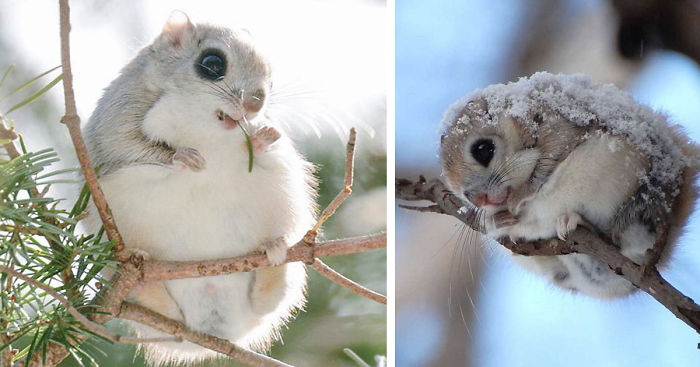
(173, 164)
(541, 156)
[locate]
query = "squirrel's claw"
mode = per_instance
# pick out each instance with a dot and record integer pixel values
(566, 223)
(276, 251)
(264, 137)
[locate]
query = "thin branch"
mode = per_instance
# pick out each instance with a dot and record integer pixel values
(310, 237)
(581, 240)
(110, 297)
(131, 274)
(343, 194)
(72, 121)
(153, 271)
(423, 209)
(336, 277)
(157, 321)
(87, 324)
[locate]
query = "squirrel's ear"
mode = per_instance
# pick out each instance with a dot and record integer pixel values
(178, 28)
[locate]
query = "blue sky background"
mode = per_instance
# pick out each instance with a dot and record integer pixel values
(445, 49)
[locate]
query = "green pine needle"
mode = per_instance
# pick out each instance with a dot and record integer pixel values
(26, 84)
(38, 238)
(4, 76)
(36, 94)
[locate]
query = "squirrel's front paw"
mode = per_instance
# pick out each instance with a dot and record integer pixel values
(566, 223)
(276, 251)
(497, 223)
(504, 219)
(188, 158)
(263, 138)
(518, 200)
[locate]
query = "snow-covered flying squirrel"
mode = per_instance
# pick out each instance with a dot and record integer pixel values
(166, 136)
(538, 155)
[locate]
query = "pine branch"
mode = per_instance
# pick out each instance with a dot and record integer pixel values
(38, 206)
(87, 324)
(581, 240)
(10, 135)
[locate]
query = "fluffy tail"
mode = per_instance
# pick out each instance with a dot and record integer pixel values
(688, 195)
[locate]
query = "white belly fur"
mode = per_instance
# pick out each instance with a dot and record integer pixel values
(219, 212)
(593, 181)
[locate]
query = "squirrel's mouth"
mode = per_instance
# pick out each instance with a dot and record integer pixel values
(229, 122)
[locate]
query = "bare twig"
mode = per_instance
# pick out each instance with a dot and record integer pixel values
(110, 297)
(165, 270)
(157, 321)
(423, 209)
(72, 121)
(343, 194)
(130, 274)
(336, 277)
(310, 237)
(581, 240)
(87, 324)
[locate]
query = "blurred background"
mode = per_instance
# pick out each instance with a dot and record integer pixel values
(472, 306)
(333, 75)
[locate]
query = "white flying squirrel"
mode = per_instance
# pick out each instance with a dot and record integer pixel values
(166, 136)
(552, 150)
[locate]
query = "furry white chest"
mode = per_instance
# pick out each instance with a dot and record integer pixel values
(222, 211)
(583, 185)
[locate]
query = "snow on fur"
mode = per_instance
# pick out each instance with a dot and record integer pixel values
(584, 102)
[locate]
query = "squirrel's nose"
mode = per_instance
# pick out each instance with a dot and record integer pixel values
(252, 105)
(480, 199)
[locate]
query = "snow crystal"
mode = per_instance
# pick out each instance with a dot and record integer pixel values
(584, 102)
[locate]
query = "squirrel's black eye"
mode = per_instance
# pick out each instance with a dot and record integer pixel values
(211, 65)
(482, 151)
